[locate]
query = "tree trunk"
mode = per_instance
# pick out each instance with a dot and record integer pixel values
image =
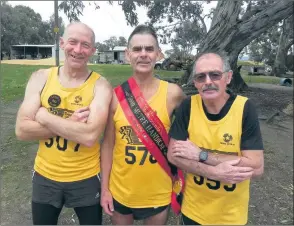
(230, 34)
(279, 68)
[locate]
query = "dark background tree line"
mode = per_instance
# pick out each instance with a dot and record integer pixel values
(110, 43)
(22, 25)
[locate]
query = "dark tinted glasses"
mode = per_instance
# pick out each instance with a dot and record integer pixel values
(213, 75)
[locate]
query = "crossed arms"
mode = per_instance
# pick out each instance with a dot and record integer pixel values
(222, 167)
(34, 122)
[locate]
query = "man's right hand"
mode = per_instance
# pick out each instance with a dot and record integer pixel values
(80, 115)
(228, 172)
(107, 202)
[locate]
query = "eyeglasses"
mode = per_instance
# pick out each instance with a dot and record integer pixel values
(213, 75)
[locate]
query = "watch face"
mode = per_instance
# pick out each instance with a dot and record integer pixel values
(203, 156)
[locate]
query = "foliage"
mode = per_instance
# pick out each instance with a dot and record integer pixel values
(110, 43)
(186, 23)
(22, 25)
(264, 48)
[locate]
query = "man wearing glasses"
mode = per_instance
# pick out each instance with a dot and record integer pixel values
(216, 139)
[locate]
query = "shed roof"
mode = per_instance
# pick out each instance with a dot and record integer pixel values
(32, 45)
(119, 48)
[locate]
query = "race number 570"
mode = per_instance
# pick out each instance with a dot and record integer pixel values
(131, 158)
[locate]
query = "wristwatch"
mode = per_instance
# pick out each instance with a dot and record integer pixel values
(203, 156)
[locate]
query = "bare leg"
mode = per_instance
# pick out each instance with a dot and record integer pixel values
(158, 219)
(121, 219)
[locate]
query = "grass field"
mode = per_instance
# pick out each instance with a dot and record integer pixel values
(14, 77)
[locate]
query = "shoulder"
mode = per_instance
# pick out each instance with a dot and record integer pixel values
(250, 114)
(186, 104)
(38, 78)
(37, 82)
(103, 83)
(174, 89)
(40, 75)
(249, 105)
(175, 93)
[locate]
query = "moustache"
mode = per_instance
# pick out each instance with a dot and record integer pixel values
(210, 87)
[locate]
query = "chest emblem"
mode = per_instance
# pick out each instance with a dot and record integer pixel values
(54, 100)
(227, 139)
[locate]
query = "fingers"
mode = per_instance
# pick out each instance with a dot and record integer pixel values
(107, 211)
(244, 169)
(108, 207)
(185, 154)
(238, 177)
(107, 203)
(81, 116)
(234, 162)
(179, 147)
(242, 177)
(84, 114)
(84, 120)
(178, 153)
(82, 109)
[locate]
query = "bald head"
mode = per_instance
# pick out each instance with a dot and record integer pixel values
(81, 27)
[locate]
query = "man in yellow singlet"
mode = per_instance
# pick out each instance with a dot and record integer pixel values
(134, 186)
(66, 109)
(216, 139)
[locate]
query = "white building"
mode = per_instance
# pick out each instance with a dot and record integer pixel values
(30, 51)
(117, 55)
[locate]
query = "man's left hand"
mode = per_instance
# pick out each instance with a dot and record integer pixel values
(41, 113)
(186, 149)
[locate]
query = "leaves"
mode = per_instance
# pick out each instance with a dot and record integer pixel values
(72, 9)
(110, 43)
(22, 25)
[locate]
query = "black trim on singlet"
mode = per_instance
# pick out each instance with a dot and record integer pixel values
(58, 74)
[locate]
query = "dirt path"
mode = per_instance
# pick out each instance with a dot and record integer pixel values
(271, 196)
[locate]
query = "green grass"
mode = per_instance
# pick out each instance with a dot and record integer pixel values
(14, 77)
(259, 78)
(250, 63)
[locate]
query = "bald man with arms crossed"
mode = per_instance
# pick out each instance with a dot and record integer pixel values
(66, 109)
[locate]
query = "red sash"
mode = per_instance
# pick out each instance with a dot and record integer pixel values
(150, 130)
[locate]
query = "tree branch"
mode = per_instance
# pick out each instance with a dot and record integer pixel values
(203, 23)
(260, 22)
(250, 11)
(224, 10)
(289, 44)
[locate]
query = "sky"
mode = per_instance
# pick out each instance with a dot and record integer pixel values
(107, 21)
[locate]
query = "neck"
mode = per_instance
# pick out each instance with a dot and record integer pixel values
(77, 73)
(144, 80)
(215, 106)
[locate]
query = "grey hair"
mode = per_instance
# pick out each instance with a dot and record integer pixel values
(143, 29)
(65, 33)
(222, 55)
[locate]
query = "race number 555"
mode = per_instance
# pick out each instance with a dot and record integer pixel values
(213, 184)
